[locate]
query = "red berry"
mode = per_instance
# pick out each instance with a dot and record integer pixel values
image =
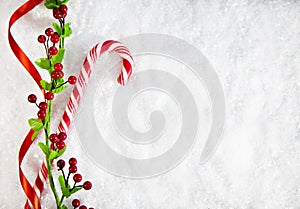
(55, 75)
(72, 161)
(32, 98)
(61, 74)
(53, 137)
(77, 177)
(87, 185)
(64, 14)
(60, 145)
(82, 207)
(49, 95)
(72, 79)
(49, 32)
(62, 136)
(54, 38)
(42, 39)
(41, 114)
(43, 106)
(73, 169)
(76, 203)
(63, 8)
(52, 147)
(52, 50)
(57, 13)
(58, 67)
(61, 164)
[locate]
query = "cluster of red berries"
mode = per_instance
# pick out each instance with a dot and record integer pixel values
(53, 37)
(42, 105)
(60, 12)
(57, 140)
(52, 50)
(76, 204)
(58, 73)
(87, 185)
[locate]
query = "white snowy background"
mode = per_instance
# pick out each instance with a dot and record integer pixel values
(254, 46)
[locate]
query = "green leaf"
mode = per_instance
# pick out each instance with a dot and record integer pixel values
(35, 124)
(67, 30)
(57, 28)
(58, 90)
(59, 81)
(47, 119)
(52, 155)
(61, 152)
(63, 2)
(44, 148)
(67, 192)
(63, 207)
(55, 154)
(59, 56)
(64, 189)
(43, 63)
(76, 189)
(62, 182)
(34, 134)
(51, 4)
(47, 86)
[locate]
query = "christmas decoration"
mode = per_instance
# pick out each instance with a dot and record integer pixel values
(54, 145)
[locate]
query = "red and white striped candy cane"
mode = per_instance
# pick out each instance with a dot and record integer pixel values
(77, 93)
(90, 60)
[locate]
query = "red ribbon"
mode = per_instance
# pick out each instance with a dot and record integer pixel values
(24, 60)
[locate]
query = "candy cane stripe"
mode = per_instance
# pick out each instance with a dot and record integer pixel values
(66, 118)
(60, 128)
(86, 66)
(74, 101)
(106, 45)
(81, 79)
(76, 94)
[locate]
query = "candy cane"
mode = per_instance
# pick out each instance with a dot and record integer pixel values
(77, 93)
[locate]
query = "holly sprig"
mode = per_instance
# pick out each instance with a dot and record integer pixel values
(54, 146)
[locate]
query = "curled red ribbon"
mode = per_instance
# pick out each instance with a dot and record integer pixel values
(24, 60)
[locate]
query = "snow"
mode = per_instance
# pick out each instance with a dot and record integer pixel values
(254, 48)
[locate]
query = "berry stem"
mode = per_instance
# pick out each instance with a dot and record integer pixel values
(56, 87)
(78, 186)
(73, 186)
(51, 181)
(58, 200)
(61, 200)
(54, 84)
(63, 173)
(63, 32)
(46, 49)
(67, 180)
(49, 162)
